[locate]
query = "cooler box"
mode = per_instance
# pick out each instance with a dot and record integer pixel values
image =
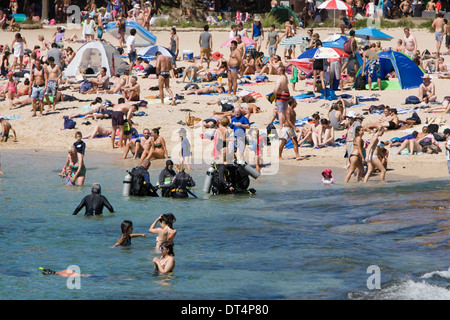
(188, 55)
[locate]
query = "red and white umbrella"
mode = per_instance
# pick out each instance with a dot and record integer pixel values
(334, 5)
(330, 53)
(247, 41)
(304, 65)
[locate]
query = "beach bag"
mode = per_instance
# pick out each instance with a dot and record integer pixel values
(327, 94)
(415, 117)
(360, 83)
(261, 78)
(85, 86)
(191, 120)
(69, 123)
(348, 46)
(412, 100)
(432, 128)
(438, 136)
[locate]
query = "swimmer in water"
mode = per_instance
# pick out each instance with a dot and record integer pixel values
(127, 235)
(166, 231)
(64, 273)
(166, 263)
(94, 203)
(326, 177)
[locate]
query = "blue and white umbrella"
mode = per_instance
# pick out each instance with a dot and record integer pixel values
(150, 51)
(370, 33)
(294, 40)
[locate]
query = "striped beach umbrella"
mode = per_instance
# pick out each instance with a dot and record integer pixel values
(304, 65)
(334, 5)
(247, 41)
(330, 53)
(294, 40)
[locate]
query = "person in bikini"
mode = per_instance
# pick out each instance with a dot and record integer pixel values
(156, 148)
(166, 231)
(356, 156)
(207, 90)
(163, 68)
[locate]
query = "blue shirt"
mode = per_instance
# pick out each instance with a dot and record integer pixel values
(242, 120)
(257, 30)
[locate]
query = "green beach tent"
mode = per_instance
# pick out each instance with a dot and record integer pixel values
(282, 14)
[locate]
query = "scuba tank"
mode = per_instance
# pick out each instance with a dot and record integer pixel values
(127, 185)
(249, 169)
(208, 179)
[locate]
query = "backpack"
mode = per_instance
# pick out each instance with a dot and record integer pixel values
(348, 46)
(415, 117)
(432, 128)
(69, 123)
(261, 78)
(360, 83)
(412, 100)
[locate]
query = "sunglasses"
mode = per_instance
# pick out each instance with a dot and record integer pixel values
(161, 248)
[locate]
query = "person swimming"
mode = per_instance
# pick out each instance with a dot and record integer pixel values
(127, 235)
(166, 231)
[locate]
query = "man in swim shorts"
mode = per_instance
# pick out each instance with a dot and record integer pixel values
(438, 25)
(163, 68)
(288, 133)
(53, 74)
(234, 63)
(282, 94)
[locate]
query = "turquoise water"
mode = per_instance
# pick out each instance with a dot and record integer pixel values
(295, 239)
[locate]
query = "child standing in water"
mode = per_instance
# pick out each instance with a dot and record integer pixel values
(326, 177)
(127, 235)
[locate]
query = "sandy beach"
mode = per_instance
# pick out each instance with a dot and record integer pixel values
(44, 133)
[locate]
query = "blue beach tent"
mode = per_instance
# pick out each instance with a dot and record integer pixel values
(337, 43)
(409, 75)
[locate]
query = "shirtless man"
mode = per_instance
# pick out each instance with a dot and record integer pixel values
(53, 74)
(240, 45)
(235, 63)
(140, 17)
(6, 128)
(138, 146)
(447, 35)
(410, 43)
(438, 25)
(289, 133)
(405, 7)
(119, 110)
(282, 94)
(102, 80)
(38, 80)
(163, 68)
(288, 33)
(427, 90)
(131, 91)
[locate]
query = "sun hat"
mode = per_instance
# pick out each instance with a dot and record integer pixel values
(182, 132)
(351, 114)
(216, 56)
(327, 172)
(257, 18)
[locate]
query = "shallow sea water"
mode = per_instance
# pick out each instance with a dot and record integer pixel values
(295, 239)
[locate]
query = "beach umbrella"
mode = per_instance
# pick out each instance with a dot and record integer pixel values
(334, 5)
(247, 41)
(330, 53)
(323, 53)
(150, 51)
(294, 40)
(370, 33)
(304, 65)
(336, 43)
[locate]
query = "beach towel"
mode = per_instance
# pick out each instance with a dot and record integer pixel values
(304, 96)
(14, 117)
(298, 122)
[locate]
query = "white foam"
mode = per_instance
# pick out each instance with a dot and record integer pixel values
(443, 274)
(408, 290)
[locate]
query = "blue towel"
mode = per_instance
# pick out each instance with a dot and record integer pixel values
(304, 96)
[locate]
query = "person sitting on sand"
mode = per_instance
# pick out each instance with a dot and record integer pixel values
(207, 90)
(192, 71)
(337, 116)
(247, 109)
(444, 107)
(273, 65)
(390, 120)
(117, 88)
(324, 135)
(156, 149)
(427, 90)
(131, 91)
(305, 134)
(423, 139)
(6, 128)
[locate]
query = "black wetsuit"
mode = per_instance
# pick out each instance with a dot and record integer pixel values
(228, 176)
(179, 184)
(166, 174)
(94, 204)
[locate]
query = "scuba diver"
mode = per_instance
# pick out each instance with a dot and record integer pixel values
(229, 179)
(140, 184)
(165, 177)
(178, 186)
(94, 203)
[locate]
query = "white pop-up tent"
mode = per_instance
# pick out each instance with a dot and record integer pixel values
(95, 55)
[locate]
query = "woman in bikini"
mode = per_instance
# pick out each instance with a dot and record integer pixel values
(372, 157)
(76, 161)
(207, 90)
(166, 263)
(10, 90)
(166, 232)
(356, 157)
(156, 148)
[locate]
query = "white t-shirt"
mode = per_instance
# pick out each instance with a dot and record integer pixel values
(130, 43)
